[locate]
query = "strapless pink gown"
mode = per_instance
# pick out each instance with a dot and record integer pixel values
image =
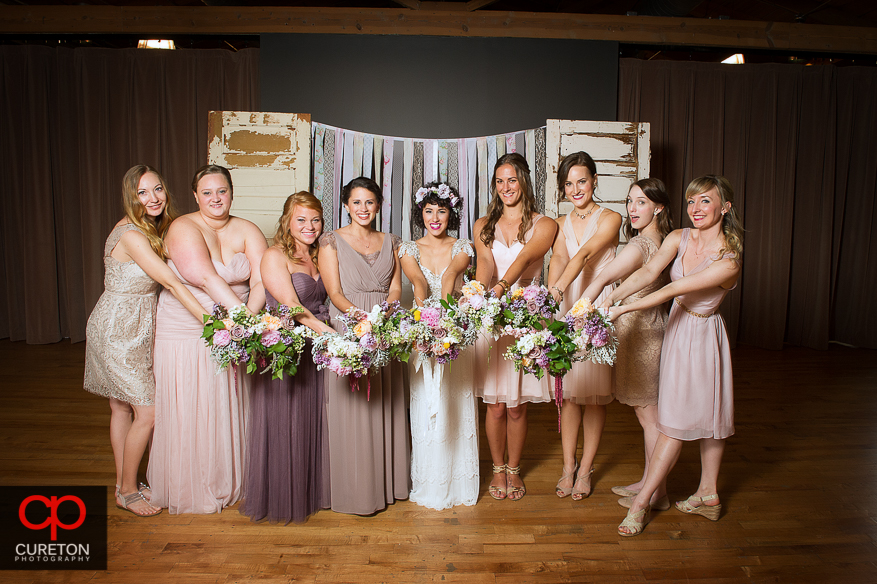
(496, 380)
(196, 461)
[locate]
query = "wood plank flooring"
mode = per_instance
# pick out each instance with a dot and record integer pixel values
(798, 483)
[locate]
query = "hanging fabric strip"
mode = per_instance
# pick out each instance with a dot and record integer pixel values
(398, 180)
(500, 145)
(540, 169)
(387, 184)
(530, 149)
(429, 152)
(330, 208)
(358, 144)
(443, 161)
(519, 143)
(319, 130)
(452, 173)
(510, 145)
(484, 175)
(346, 169)
(413, 176)
(471, 177)
(463, 186)
(336, 185)
(368, 142)
(377, 152)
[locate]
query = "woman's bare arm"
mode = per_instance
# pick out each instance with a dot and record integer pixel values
(649, 272)
(277, 281)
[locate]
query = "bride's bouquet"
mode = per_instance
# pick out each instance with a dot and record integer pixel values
(475, 307)
(592, 333)
(441, 332)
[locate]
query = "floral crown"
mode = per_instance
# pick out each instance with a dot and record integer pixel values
(442, 191)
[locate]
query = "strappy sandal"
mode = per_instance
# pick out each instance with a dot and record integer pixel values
(515, 470)
(560, 491)
(578, 495)
(662, 504)
(498, 493)
(711, 512)
(634, 522)
(624, 492)
(145, 491)
(128, 500)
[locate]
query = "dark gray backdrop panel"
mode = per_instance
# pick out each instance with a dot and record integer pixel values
(437, 87)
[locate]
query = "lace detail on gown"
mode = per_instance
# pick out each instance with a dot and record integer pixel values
(444, 417)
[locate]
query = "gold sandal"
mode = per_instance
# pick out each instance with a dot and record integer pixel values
(711, 512)
(560, 491)
(578, 495)
(515, 470)
(135, 497)
(498, 493)
(634, 522)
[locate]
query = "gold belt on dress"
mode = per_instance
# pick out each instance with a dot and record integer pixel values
(691, 312)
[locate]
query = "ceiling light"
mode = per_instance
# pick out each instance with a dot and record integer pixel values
(155, 44)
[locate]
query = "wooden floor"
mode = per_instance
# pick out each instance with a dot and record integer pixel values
(799, 487)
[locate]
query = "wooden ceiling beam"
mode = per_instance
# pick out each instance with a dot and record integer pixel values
(649, 30)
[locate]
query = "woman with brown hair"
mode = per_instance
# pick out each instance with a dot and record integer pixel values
(121, 329)
(287, 470)
(510, 244)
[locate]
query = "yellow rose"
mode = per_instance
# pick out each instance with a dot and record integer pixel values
(417, 315)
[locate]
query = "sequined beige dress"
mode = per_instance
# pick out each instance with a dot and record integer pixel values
(640, 334)
(121, 330)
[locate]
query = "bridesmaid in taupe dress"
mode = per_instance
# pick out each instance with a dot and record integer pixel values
(369, 448)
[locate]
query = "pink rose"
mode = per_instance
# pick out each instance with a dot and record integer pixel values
(221, 338)
(270, 338)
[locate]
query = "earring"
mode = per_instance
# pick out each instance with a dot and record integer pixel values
(724, 211)
(657, 211)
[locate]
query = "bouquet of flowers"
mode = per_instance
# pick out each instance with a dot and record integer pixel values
(231, 336)
(370, 340)
(474, 307)
(282, 340)
(524, 310)
(592, 333)
(440, 332)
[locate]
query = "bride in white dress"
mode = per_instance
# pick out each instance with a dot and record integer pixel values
(444, 414)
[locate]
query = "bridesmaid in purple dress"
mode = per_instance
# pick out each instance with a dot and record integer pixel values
(695, 399)
(287, 469)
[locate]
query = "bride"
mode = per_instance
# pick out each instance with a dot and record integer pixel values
(444, 428)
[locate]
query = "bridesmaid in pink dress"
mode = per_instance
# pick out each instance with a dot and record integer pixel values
(696, 400)
(196, 461)
(510, 244)
(583, 248)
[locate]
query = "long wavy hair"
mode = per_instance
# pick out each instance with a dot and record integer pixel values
(655, 191)
(569, 161)
(283, 237)
(495, 208)
(732, 225)
(155, 228)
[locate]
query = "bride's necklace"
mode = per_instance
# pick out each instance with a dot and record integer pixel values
(585, 216)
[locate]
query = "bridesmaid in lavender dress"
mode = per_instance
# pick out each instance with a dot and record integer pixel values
(510, 244)
(196, 461)
(585, 246)
(696, 391)
(369, 440)
(287, 470)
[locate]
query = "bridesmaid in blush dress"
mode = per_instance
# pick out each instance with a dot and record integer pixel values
(287, 470)
(369, 444)
(196, 461)
(640, 333)
(696, 389)
(583, 248)
(510, 245)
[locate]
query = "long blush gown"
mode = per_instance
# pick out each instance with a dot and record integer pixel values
(369, 440)
(496, 380)
(196, 461)
(287, 470)
(696, 395)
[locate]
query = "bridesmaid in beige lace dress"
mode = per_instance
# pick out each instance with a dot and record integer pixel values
(369, 444)
(120, 331)
(640, 333)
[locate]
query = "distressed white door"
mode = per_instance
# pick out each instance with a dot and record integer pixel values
(620, 149)
(269, 156)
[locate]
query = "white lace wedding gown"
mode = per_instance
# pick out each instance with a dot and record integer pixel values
(444, 416)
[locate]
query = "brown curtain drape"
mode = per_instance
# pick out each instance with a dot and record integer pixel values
(797, 144)
(74, 120)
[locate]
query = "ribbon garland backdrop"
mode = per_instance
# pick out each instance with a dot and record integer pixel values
(403, 165)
